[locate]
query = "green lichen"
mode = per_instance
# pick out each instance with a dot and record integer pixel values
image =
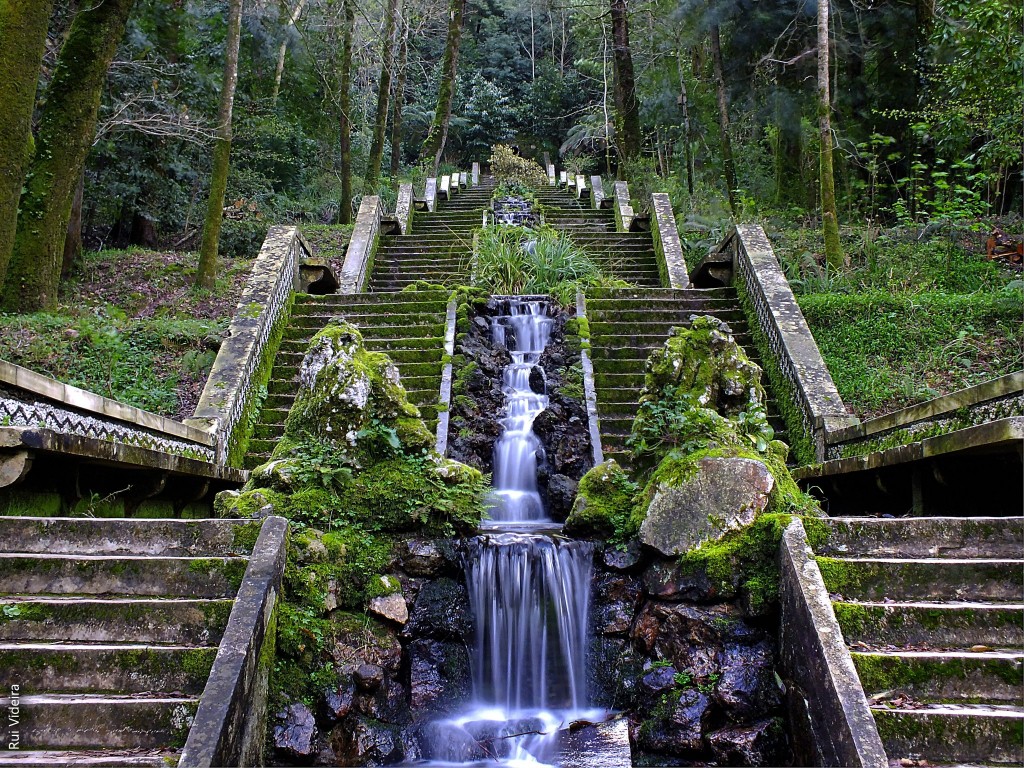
(604, 506)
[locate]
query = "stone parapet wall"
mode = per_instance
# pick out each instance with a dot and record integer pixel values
(993, 400)
(792, 347)
(671, 262)
(29, 399)
(263, 306)
(361, 246)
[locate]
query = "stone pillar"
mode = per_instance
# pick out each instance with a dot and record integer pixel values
(551, 174)
(596, 191)
(623, 209)
(430, 193)
(581, 186)
(403, 208)
(476, 174)
(361, 246)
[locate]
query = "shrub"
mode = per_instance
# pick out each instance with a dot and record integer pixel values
(510, 168)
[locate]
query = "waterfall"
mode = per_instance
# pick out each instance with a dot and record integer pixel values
(529, 592)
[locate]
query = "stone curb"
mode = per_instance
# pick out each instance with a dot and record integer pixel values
(829, 712)
(230, 724)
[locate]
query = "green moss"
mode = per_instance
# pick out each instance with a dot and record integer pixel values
(605, 500)
(801, 442)
(244, 536)
(840, 576)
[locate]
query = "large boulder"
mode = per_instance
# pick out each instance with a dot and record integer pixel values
(722, 495)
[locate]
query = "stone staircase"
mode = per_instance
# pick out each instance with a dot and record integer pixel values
(629, 256)
(409, 327)
(108, 631)
(626, 325)
(439, 248)
(932, 609)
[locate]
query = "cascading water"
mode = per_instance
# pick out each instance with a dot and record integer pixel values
(529, 592)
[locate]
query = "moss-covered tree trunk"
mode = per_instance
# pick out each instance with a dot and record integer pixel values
(380, 124)
(73, 242)
(627, 120)
(433, 145)
(22, 42)
(67, 127)
(723, 117)
(396, 119)
(684, 106)
(829, 217)
(206, 272)
(344, 112)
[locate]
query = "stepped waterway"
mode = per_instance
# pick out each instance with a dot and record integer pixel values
(529, 591)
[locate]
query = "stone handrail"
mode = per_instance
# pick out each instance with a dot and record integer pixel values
(263, 306)
(403, 208)
(791, 345)
(596, 192)
(671, 262)
(30, 399)
(361, 246)
(230, 723)
(832, 722)
(986, 402)
(623, 208)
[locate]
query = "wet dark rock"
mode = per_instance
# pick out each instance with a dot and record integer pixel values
(481, 324)
(747, 689)
(368, 677)
(623, 558)
(360, 641)
(441, 612)
(295, 734)
(429, 557)
(614, 670)
(615, 599)
(680, 731)
(495, 737)
(336, 703)
(439, 676)
(763, 743)
(671, 580)
(561, 495)
(538, 381)
(564, 432)
(646, 629)
(387, 703)
(658, 679)
(363, 741)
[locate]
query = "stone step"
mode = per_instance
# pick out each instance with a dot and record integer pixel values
(367, 324)
(991, 677)
(105, 575)
(923, 579)
(924, 536)
(431, 274)
(607, 350)
(187, 621)
(107, 758)
(946, 733)
(636, 341)
(935, 624)
(375, 302)
(374, 333)
(92, 667)
(288, 364)
(417, 348)
(667, 318)
(648, 327)
(418, 257)
(370, 313)
(84, 721)
(134, 536)
(625, 294)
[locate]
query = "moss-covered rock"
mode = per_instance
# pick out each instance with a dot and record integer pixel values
(604, 504)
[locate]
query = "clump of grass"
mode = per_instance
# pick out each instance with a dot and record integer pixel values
(516, 260)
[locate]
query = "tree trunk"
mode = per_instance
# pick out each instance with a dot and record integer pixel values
(433, 146)
(396, 120)
(73, 242)
(380, 126)
(283, 49)
(344, 109)
(723, 118)
(629, 138)
(684, 105)
(829, 217)
(23, 26)
(67, 127)
(207, 269)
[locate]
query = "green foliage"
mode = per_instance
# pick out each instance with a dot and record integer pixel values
(517, 260)
(510, 168)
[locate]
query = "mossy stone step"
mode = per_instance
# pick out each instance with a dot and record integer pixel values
(937, 625)
(418, 349)
(370, 313)
(953, 734)
(620, 294)
(124, 668)
(105, 721)
(97, 536)
(320, 320)
(377, 332)
(651, 324)
(610, 348)
(185, 621)
(992, 677)
(920, 579)
(425, 295)
(432, 274)
(923, 536)
(98, 575)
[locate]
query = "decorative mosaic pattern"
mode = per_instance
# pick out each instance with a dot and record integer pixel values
(15, 412)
